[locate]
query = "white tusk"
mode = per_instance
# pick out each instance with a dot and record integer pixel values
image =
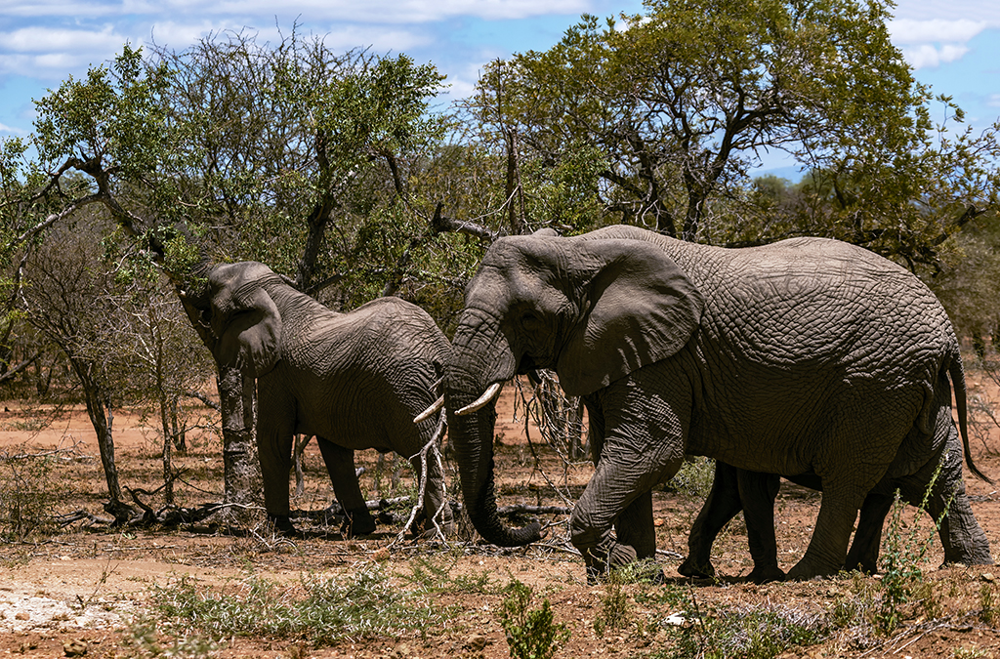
(482, 401)
(426, 414)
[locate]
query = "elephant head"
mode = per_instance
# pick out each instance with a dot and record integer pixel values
(244, 319)
(592, 310)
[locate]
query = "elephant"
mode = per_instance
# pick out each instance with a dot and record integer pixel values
(805, 356)
(735, 489)
(355, 380)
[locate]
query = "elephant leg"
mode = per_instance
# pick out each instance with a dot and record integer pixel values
(963, 539)
(634, 528)
(864, 551)
(643, 444)
(340, 465)
(721, 505)
(435, 512)
(828, 548)
(274, 451)
(757, 493)
(961, 536)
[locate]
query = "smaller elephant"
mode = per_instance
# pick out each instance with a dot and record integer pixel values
(734, 489)
(354, 380)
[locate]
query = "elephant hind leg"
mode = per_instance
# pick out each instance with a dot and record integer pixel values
(961, 536)
(721, 505)
(340, 465)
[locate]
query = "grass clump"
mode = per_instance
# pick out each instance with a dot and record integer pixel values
(989, 608)
(694, 478)
(323, 611)
(747, 633)
(434, 575)
(531, 633)
(616, 609)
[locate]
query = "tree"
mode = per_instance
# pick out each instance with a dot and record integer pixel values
(67, 301)
(231, 151)
(681, 100)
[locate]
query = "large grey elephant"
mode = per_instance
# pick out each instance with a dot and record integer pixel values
(354, 380)
(736, 489)
(807, 356)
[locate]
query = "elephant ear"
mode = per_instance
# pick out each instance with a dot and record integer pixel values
(245, 320)
(640, 308)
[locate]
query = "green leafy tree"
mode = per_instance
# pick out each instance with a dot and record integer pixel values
(682, 99)
(230, 151)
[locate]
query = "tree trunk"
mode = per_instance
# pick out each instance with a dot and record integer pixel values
(99, 411)
(168, 444)
(178, 433)
(238, 398)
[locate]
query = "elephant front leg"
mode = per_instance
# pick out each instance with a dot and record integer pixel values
(640, 432)
(828, 547)
(436, 512)
(340, 465)
(274, 450)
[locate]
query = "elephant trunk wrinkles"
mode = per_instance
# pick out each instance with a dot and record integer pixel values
(472, 439)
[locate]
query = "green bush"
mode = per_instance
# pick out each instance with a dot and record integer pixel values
(531, 633)
(28, 494)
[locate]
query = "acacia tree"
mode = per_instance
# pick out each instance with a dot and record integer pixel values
(67, 302)
(167, 151)
(682, 100)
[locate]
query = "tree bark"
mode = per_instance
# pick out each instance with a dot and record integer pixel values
(238, 399)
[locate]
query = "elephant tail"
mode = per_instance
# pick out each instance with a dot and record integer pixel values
(957, 373)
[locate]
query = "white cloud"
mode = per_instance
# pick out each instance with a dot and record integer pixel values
(931, 56)
(4, 128)
(908, 31)
(39, 39)
(387, 11)
(985, 11)
(931, 42)
(380, 39)
(993, 101)
(178, 35)
(59, 8)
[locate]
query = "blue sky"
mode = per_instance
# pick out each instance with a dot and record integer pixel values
(953, 45)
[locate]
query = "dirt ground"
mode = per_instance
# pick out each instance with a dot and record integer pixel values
(83, 588)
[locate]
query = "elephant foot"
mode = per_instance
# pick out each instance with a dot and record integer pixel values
(612, 556)
(974, 556)
(694, 570)
(357, 523)
(867, 566)
(808, 568)
(282, 525)
(766, 574)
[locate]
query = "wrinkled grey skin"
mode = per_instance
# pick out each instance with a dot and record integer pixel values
(735, 489)
(354, 380)
(808, 356)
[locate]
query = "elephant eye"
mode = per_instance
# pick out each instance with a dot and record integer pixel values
(531, 322)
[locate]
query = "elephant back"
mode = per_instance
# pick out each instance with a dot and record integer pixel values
(376, 368)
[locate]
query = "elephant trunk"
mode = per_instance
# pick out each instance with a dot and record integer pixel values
(471, 371)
